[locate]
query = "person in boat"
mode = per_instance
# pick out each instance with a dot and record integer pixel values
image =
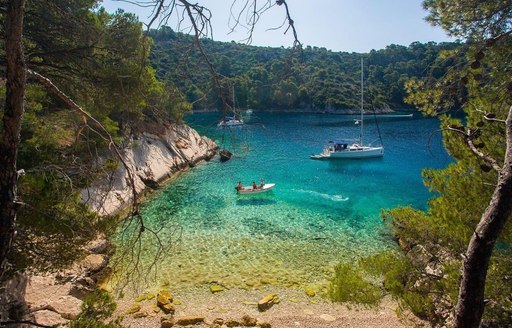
(239, 186)
(254, 186)
(262, 183)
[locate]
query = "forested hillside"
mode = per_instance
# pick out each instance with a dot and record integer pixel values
(275, 78)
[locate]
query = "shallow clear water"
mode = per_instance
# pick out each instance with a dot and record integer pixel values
(319, 213)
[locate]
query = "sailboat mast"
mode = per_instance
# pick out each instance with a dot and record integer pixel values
(362, 94)
(234, 107)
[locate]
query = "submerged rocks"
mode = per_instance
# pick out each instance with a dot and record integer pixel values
(164, 300)
(134, 309)
(248, 321)
(164, 297)
(232, 323)
(216, 288)
(310, 291)
(225, 155)
(141, 314)
(168, 308)
(167, 322)
(267, 302)
(147, 296)
(327, 317)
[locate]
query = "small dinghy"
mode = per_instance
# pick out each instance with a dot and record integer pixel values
(250, 190)
(225, 155)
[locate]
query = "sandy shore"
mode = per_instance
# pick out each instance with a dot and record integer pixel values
(295, 309)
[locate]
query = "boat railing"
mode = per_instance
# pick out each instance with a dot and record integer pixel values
(374, 141)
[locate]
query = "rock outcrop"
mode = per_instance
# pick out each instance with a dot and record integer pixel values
(152, 158)
(53, 299)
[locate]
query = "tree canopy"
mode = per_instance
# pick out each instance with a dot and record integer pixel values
(471, 213)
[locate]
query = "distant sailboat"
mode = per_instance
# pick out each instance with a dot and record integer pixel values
(234, 120)
(343, 149)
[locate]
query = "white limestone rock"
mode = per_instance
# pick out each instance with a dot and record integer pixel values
(49, 318)
(151, 158)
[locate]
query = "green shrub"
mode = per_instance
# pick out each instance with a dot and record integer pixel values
(399, 278)
(348, 285)
(97, 309)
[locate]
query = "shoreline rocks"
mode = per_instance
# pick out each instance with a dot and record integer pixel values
(53, 299)
(267, 302)
(152, 159)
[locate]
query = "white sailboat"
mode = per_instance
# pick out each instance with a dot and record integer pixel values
(234, 120)
(343, 149)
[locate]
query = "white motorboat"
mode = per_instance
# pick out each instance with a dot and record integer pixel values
(260, 189)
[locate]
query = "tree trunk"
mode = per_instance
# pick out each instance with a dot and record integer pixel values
(470, 305)
(10, 138)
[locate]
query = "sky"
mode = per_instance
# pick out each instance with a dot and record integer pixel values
(338, 25)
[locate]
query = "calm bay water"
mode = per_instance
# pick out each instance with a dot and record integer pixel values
(319, 213)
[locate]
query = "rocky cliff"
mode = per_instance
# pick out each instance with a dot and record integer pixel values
(152, 157)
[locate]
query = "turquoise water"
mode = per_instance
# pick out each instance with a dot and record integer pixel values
(319, 213)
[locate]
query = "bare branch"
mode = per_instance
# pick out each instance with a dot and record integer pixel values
(198, 10)
(296, 42)
(159, 8)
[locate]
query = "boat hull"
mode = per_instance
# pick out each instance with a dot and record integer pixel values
(248, 190)
(231, 122)
(364, 152)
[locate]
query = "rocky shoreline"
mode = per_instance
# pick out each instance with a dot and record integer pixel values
(269, 306)
(53, 299)
(153, 157)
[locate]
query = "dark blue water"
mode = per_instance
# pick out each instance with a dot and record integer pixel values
(320, 212)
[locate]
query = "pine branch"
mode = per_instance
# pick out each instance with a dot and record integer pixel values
(103, 133)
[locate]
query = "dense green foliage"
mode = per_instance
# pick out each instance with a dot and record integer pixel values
(275, 78)
(100, 61)
(349, 286)
(479, 79)
(370, 279)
